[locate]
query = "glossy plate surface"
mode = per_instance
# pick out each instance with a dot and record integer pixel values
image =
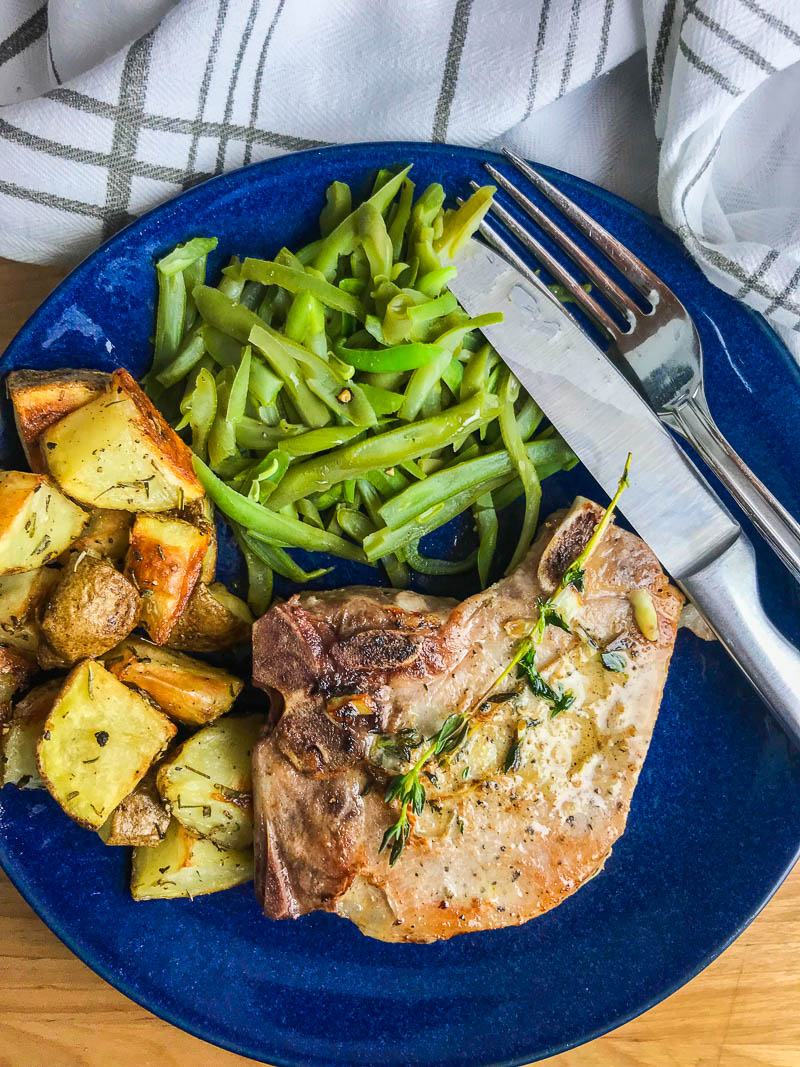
(715, 822)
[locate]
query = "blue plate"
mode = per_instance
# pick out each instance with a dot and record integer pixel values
(715, 824)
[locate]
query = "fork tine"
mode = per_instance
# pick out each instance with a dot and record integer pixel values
(629, 265)
(553, 267)
(606, 285)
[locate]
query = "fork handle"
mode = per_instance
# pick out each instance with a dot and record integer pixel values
(726, 592)
(691, 417)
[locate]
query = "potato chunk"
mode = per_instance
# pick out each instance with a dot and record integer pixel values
(107, 533)
(193, 692)
(208, 784)
(21, 598)
(183, 865)
(213, 618)
(164, 562)
(22, 734)
(118, 451)
(37, 522)
(42, 397)
(16, 670)
(91, 609)
(98, 742)
(141, 819)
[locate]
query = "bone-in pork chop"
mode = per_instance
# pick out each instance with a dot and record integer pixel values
(357, 677)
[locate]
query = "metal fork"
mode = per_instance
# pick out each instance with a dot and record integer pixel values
(660, 351)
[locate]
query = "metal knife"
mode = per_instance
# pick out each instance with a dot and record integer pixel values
(669, 503)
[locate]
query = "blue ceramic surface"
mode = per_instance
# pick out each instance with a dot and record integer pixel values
(715, 822)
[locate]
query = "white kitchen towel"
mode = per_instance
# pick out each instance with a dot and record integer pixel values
(688, 107)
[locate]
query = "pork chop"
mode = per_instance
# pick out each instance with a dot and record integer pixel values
(357, 677)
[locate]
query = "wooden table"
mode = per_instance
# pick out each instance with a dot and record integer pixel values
(743, 1011)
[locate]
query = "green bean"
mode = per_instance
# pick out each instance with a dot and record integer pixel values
(315, 441)
(272, 346)
(258, 520)
(453, 375)
(526, 470)
(387, 360)
(317, 380)
(400, 217)
(189, 355)
(383, 401)
(424, 378)
(338, 205)
(231, 284)
(279, 560)
(528, 418)
(260, 480)
(354, 523)
(185, 255)
(309, 511)
(342, 240)
(391, 539)
(199, 407)
(464, 475)
(375, 241)
(433, 309)
(222, 436)
(428, 565)
(250, 433)
(259, 577)
(385, 449)
(485, 516)
(264, 385)
(298, 281)
(169, 320)
(461, 224)
(239, 388)
(432, 283)
(326, 499)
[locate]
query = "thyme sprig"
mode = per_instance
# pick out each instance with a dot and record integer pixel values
(456, 728)
(408, 789)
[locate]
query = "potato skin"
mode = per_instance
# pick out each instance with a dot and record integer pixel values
(107, 533)
(206, 624)
(92, 608)
(141, 819)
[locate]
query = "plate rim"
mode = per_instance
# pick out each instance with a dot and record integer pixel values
(118, 981)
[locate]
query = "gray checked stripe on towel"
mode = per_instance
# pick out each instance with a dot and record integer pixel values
(686, 107)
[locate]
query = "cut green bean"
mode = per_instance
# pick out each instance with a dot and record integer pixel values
(191, 352)
(485, 516)
(526, 470)
(460, 476)
(385, 449)
(338, 205)
(277, 528)
(279, 560)
(429, 565)
(300, 281)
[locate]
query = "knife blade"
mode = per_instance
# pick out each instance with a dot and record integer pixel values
(598, 412)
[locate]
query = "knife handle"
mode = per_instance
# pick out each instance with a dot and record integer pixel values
(691, 417)
(726, 592)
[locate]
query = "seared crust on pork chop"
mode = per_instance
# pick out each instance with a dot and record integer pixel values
(348, 670)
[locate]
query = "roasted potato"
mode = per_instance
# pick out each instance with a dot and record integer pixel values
(213, 618)
(107, 533)
(183, 865)
(99, 741)
(42, 397)
(141, 819)
(201, 514)
(164, 562)
(118, 451)
(37, 522)
(188, 690)
(21, 735)
(207, 782)
(16, 670)
(21, 598)
(90, 610)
